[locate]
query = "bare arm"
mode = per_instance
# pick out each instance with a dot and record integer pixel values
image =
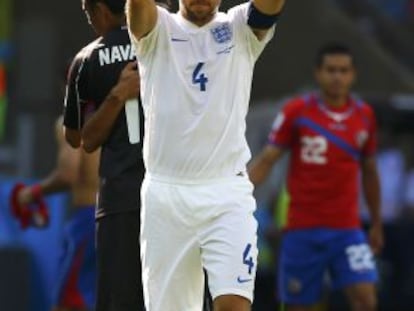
(65, 172)
(268, 7)
(141, 17)
(261, 166)
(372, 193)
(72, 137)
(98, 127)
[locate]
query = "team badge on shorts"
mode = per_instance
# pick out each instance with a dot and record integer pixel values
(222, 33)
(294, 286)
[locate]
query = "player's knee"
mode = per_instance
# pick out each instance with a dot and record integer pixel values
(231, 303)
(364, 303)
(298, 308)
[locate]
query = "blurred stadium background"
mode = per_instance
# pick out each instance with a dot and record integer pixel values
(37, 40)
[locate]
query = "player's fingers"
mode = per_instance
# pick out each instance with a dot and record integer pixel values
(24, 196)
(131, 66)
(380, 245)
(376, 245)
(129, 70)
(132, 74)
(132, 85)
(380, 242)
(133, 81)
(135, 77)
(373, 248)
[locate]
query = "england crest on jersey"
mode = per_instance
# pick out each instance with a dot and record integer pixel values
(222, 33)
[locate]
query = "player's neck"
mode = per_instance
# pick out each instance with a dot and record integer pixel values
(119, 22)
(192, 18)
(334, 101)
(113, 25)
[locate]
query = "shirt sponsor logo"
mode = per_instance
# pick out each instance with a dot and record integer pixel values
(116, 54)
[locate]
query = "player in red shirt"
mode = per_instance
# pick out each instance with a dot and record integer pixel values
(331, 136)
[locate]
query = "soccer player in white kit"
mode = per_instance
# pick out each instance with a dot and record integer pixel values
(197, 206)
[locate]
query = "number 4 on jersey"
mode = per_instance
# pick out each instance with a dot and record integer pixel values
(199, 77)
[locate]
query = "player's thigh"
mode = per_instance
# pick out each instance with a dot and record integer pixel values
(352, 261)
(87, 269)
(362, 296)
(229, 251)
(118, 262)
(66, 262)
(173, 277)
(176, 285)
(77, 269)
(301, 269)
(231, 303)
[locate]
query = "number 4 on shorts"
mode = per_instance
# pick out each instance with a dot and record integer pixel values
(248, 260)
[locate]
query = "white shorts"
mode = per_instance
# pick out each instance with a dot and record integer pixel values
(188, 227)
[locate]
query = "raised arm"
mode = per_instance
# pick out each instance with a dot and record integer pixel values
(263, 15)
(269, 7)
(141, 17)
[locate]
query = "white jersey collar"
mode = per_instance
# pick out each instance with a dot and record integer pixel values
(191, 27)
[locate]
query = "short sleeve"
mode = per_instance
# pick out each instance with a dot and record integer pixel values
(283, 129)
(238, 17)
(370, 147)
(75, 89)
(147, 44)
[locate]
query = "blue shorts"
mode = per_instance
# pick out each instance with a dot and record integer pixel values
(77, 270)
(307, 255)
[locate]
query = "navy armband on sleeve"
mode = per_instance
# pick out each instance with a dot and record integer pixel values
(259, 20)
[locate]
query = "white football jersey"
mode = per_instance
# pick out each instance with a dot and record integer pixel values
(195, 88)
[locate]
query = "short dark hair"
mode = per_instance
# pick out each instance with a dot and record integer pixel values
(333, 49)
(117, 7)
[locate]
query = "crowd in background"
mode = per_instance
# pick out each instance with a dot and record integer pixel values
(388, 22)
(402, 11)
